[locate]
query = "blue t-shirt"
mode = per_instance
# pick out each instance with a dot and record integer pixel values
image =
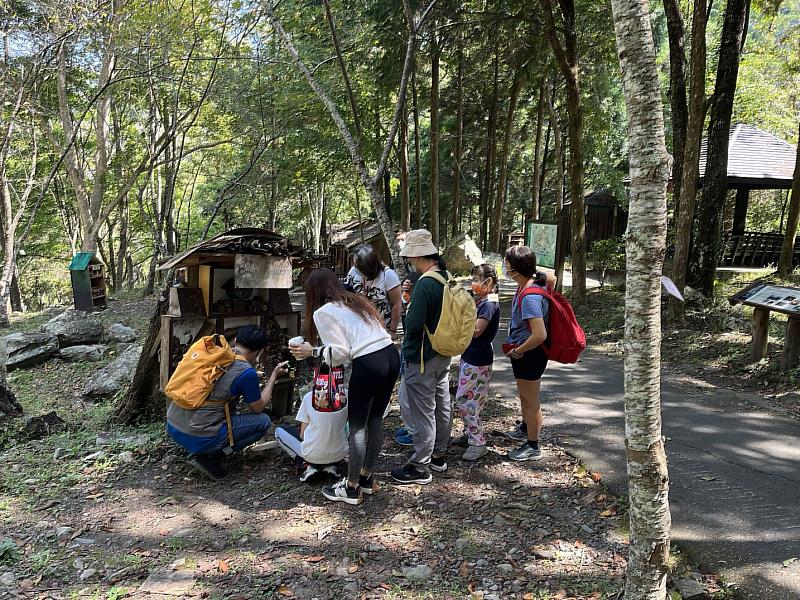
(533, 306)
(244, 386)
(479, 353)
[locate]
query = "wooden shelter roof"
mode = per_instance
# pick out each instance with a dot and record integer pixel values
(756, 159)
(244, 240)
(349, 234)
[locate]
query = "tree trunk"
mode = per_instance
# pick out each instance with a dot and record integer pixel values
(691, 161)
(434, 180)
(708, 243)
(558, 152)
(143, 398)
(17, 301)
(459, 133)
(648, 480)
(537, 150)
(516, 87)
(418, 221)
(786, 262)
(567, 60)
(677, 95)
(491, 150)
(402, 154)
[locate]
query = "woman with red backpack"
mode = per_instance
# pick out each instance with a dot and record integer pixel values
(527, 333)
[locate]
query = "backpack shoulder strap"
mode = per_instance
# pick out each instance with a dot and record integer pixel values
(537, 291)
(435, 275)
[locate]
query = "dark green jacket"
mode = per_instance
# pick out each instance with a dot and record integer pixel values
(424, 309)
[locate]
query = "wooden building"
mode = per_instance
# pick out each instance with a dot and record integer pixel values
(346, 237)
(88, 282)
(605, 219)
(757, 160)
(240, 277)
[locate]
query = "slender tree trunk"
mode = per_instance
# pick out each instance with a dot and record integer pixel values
(491, 150)
(558, 153)
(567, 60)
(648, 479)
(402, 154)
(459, 133)
(708, 243)
(516, 87)
(691, 160)
(677, 95)
(434, 182)
(17, 301)
(418, 221)
(537, 150)
(786, 262)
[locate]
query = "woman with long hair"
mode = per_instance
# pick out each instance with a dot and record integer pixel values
(526, 333)
(341, 327)
(379, 283)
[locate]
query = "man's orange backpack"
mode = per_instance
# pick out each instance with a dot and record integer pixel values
(200, 368)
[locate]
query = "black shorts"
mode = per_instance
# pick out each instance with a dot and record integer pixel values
(531, 366)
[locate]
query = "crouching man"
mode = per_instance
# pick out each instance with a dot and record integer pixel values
(209, 428)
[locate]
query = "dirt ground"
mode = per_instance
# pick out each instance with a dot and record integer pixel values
(83, 516)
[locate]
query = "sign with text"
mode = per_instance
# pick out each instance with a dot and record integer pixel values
(542, 238)
(771, 297)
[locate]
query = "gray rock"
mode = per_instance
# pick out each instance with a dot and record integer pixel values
(505, 567)
(8, 579)
(87, 574)
(587, 529)
(64, 532)
(120, 333)
(110, 379)
(462, 543)
(168, 582)
(127, 457)
(43, 425)
(462, 254)
(418, 572)
(94, 456)
(126, 440)
(352, 588)
(61, 453)
(692, 295)
(82, 353)
(23, 350)
(82, 541)
(689, 589)
(74, 327)
(482, 562)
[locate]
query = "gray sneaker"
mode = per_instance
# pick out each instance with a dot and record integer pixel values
(475, 452)
(525, 452)
(517, 433)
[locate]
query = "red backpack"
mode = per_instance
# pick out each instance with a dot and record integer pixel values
(565, 338)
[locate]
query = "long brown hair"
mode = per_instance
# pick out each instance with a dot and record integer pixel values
(322, 286)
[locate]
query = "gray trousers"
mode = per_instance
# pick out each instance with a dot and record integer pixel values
(427, 409)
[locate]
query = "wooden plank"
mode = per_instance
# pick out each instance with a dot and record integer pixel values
(205, 273)
(791, 345)
(166, 351)
(186, 302)
(254, 271)
(758, 348)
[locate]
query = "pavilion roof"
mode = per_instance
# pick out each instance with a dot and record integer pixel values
(756, 159)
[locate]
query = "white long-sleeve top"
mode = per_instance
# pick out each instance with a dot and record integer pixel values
(348, 335)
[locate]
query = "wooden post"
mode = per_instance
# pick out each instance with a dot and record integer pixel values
(791, 345)
(758, 350)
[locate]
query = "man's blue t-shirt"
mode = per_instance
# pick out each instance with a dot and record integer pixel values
(246, 386)
(479, 353)
(533, 306)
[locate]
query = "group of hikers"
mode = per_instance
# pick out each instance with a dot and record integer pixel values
(355, 324)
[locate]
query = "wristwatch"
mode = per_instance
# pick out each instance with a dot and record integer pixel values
(316, 352)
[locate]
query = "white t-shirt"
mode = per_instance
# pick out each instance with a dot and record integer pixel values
(325, 438)
(376, 290)
(347, 335)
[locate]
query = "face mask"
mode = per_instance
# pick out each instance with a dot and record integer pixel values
(480, 289)
(506, 271)
(412, 267)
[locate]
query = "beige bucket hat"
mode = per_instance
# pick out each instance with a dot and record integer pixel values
(418, 243)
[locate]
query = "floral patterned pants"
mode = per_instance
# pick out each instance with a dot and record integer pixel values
(471, 395)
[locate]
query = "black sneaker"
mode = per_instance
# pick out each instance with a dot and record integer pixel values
(341, 492)
(525, 452)
(520, 432)
(367, 484)
(210, 466)
(438, 464)
(410, 474)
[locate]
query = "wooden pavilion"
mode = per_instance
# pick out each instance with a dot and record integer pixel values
(757, 160)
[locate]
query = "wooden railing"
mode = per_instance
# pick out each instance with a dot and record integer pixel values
(752, 249)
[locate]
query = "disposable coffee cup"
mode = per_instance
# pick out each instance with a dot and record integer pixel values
(296, 341)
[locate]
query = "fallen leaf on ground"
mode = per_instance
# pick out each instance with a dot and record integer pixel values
(315, 559)
(352, 569)
(463, 569)
(285, 591)
(223, 566)
(789, 561)
(324, 532)
(607, 513)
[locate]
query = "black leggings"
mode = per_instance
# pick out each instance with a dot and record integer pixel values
(369, 392)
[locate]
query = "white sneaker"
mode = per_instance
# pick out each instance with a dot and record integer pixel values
(310, 471)
(475, 452)
(341, 492)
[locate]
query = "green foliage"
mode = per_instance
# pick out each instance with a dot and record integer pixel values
(8, 551)
(606, 255)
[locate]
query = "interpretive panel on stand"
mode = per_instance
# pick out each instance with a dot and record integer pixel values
(782, 299)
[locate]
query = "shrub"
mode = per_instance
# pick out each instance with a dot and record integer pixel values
(606, 255)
